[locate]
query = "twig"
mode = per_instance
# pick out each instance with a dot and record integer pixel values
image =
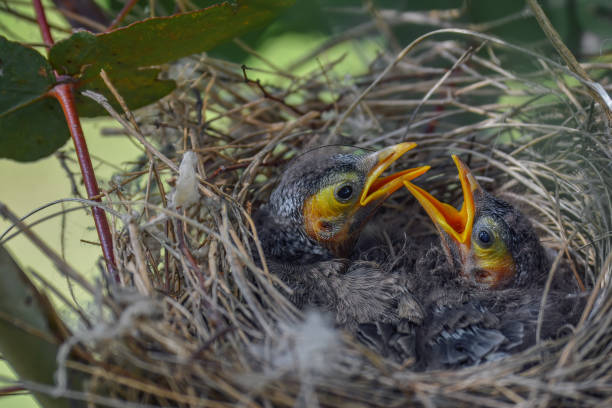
(101, 99)
(83, 20)
(25, 17)
(242, 165)
(16, 389)
(222, 332)
(549, 279)
(180, 237)
(43, 24)
(124, 12)
(493, 40)
(55, 258)
(141, 277)
(62, 157)
(64, 93)
(263, 59)
(595, 89)
(266, 94)
(444, 77)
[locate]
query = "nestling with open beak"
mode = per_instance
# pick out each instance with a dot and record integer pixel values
(313, 218)
(492, 309)
(491, 243)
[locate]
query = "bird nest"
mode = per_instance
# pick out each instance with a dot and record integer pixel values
(192, 320)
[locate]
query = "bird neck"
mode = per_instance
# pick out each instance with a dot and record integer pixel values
(533, 265)
(284, 241)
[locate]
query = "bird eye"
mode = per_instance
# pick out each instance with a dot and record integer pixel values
(485, 238)
(344, 192)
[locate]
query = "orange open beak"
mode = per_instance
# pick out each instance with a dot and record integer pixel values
(377, 188)
(457, 224)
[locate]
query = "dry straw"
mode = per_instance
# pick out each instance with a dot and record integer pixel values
(195, 321)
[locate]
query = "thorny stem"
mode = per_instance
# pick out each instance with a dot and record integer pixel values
(64, 93)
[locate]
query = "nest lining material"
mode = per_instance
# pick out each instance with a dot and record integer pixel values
(195, 321)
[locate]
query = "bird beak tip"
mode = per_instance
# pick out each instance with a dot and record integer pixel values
(468, 181)
(377, 187)
(456, 223)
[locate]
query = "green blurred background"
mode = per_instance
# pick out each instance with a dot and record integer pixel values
(585, 25)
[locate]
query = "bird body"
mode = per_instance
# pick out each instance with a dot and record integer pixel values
(459, 324)
(485, 281)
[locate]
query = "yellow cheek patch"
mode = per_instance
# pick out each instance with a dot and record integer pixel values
(496, 260)
(324, 216)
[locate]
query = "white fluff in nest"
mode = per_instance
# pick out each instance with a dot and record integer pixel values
(306, 346)
(307, 349)
(186, 190)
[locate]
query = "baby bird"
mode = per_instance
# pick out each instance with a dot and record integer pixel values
(491, 243)
(487, 302)
(313, 218)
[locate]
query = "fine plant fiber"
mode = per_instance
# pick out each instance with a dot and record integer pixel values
(195, 321)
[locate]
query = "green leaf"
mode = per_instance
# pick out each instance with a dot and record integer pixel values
(32, 124)
(30, 329)
(161, 7)
(69, 55)
(162, 39)
(138, 89)
(25, 75)
(152, 42)
(33, 131)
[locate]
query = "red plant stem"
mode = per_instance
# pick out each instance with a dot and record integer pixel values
(124, 11)
(64, 93)
(45, 31)
(11, 390)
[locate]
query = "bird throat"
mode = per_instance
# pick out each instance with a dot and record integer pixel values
(282, 240)
(333, 228)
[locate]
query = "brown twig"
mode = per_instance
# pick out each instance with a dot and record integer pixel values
(63, 157)
(124, 12)
(219, 334)
(78, 21)
(25, 17)
(242, 165)
(266, 94)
